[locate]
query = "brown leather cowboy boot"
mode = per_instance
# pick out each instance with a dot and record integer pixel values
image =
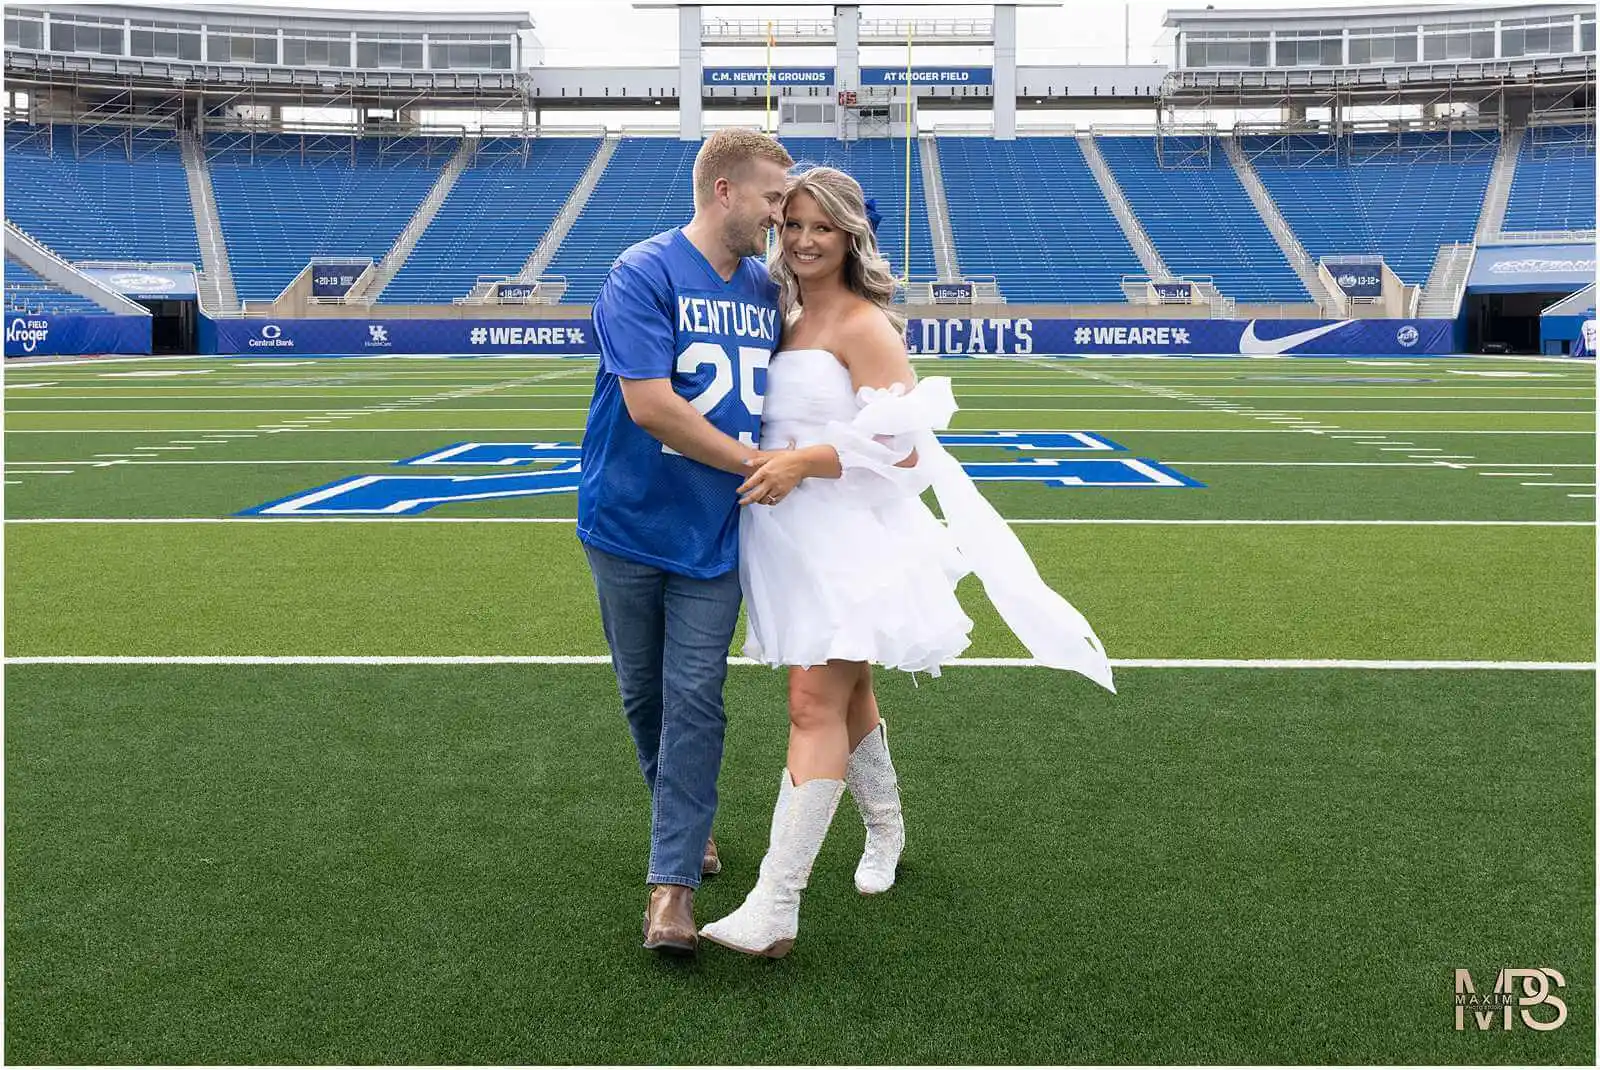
(711, 865)
(669, 920)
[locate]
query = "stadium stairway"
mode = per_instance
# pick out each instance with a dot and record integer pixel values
(1492, 216)
(546, 250)
(498, 210)
(1277, 226)
(1145, 249)
(945, 260)
(1441, 294)
(32, 266)
(385, 270)
(215, 282)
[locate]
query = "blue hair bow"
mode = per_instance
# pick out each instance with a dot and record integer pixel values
(872, 214)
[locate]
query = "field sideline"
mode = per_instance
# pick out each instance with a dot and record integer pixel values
(354, 788)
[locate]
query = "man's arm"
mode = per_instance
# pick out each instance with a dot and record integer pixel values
(671, 420)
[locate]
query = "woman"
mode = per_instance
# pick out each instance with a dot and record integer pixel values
(842, 564)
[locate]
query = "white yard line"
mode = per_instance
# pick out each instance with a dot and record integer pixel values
(1048, 521)
(603, 659)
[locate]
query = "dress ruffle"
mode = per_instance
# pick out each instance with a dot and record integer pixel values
(859, 569)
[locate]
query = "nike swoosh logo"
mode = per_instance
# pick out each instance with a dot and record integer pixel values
(1250, 345)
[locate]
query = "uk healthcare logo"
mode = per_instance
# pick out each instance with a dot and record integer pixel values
(29, 332)
(377, 336)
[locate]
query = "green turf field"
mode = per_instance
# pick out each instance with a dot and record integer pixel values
(361, 791)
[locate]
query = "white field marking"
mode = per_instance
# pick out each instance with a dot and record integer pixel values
(276, 363)
(38, 471)
(1558, 484)
(153, 375)
(1047, 522)
(1509, 375)
(1457, 457)
(199, 441)
(1580, 495)
(169, 448)
(13, 482)
(1430, 462)
(1098, 428)
(40, 363)
(740, 662)
(1519, 473)
(26, 386)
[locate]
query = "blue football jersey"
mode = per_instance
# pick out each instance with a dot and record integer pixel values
(664, 313)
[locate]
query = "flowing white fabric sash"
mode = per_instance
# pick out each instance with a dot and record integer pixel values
(889, 426)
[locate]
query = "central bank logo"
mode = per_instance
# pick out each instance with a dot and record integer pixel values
(1407, 336)
(1535, 1004)
(272, 338)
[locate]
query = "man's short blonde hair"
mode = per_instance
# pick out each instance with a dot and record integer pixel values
(726, 151)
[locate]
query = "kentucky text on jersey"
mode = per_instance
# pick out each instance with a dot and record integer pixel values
(703, 315)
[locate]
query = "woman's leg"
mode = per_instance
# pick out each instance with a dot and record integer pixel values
(819, 704)
(862, 717)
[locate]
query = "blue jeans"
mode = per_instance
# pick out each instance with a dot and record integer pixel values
(669, 638)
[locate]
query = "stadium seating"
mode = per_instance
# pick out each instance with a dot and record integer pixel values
(285, 199)
(1030, 213)
(1398, 198)
(494, 216)
(1554, 187)
(26, 292)
(1201, 219)
(645, 189)
(79, 192)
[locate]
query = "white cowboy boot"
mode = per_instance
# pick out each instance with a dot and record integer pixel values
(769, 920)
(871, 780)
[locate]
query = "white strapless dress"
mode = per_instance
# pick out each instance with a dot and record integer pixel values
(858, 568)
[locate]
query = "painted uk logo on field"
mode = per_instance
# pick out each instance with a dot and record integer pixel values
(410, 494)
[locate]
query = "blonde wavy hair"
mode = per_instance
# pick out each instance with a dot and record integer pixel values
(866, 271)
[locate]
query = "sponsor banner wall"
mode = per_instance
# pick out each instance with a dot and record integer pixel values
(953, 337)
(1026, 337)
(145, 285)
(367, 337)
(53, 335)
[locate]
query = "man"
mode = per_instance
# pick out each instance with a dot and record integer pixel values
(687, 322)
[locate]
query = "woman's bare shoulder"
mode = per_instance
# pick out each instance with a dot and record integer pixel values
(867, 327)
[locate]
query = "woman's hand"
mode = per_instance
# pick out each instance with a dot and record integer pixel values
(774, 473)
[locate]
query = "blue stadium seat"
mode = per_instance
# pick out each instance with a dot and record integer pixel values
(1030, 213)
(1201, 219)
(1402, 202)
(494, 216)
(1554, 187)
(27, 293)
(78, 191)
(284, 199)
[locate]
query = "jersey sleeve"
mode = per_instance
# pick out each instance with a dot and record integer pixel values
(633, 321)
